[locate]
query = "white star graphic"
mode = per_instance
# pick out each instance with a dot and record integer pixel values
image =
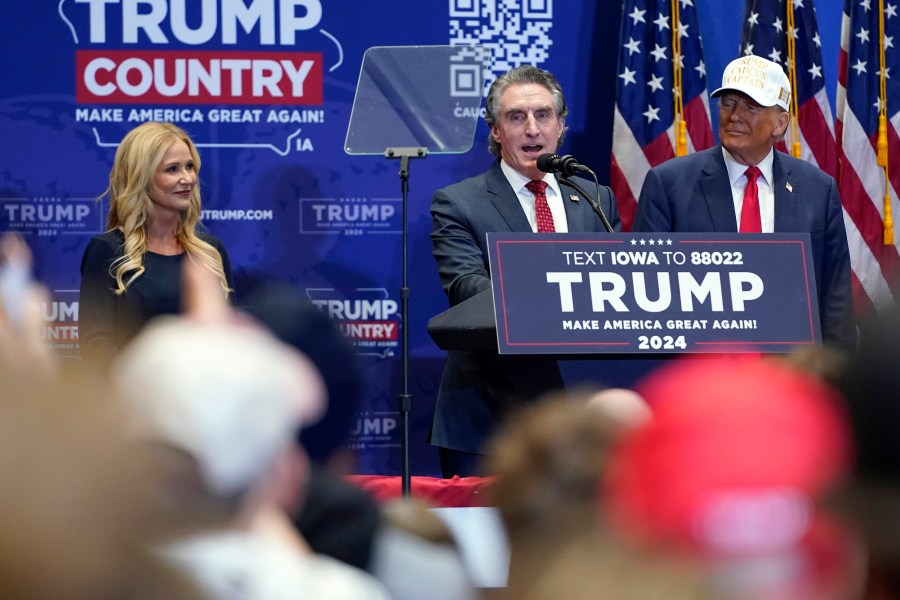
(634, 242)
(748, 50)
(637, 15)
(775, 55)
(633, 46)
(655, 83)
(890, 11)
(798, 4)
(860, 66)
(866, 4)
(682, 30)
(863, 35)
(652, 242)
(777, 25)
(668, 242)
(662, 22)
(628, 76)
(888, 41)
(685, 3)
(815, 71)
(792, 31)
(886, 72)
(643, 242)
(754, 18)
(877, 104)
(659, 53)
(651, 114)
(701, 68)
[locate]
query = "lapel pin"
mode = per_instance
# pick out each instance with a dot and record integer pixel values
(789, 187)
(574, 198)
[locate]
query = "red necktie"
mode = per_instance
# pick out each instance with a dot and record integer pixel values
(541, 209)
(750, 219)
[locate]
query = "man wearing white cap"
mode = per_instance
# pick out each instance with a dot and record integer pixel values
(745, 185)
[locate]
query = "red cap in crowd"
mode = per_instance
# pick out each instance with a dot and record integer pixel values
(733, 461)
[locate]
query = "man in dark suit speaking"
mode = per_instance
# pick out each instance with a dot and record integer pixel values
(526, 111)
(745, 185)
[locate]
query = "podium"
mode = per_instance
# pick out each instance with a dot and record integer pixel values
(468, 326)
(637, 299)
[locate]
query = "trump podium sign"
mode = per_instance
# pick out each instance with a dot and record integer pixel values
(653, 293)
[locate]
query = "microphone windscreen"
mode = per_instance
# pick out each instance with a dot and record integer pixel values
(546, 162)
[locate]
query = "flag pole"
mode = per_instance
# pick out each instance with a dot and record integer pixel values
(882, 144)
(678, 89)
(791, 29)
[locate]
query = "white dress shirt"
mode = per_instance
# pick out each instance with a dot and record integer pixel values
(765, 185)
(526, 198)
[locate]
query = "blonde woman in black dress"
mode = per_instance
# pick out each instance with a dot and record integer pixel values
(132, 273)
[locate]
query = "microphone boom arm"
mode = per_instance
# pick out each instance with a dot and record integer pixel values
(594, 203)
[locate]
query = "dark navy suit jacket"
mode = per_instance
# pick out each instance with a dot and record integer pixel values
(693, 194)
(479, 388)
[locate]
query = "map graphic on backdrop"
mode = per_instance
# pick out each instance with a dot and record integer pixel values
(213, 65)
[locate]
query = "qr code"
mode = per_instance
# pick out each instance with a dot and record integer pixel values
(517, 32)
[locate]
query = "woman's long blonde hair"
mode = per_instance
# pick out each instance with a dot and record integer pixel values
(130, 206)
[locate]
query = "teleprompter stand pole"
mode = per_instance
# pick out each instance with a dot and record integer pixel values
(405, 398)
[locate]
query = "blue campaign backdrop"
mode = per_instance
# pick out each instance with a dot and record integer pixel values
(265, 87)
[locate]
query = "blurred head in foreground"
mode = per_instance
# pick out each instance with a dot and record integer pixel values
(549, 461)
(221, 402)
(872, 498)
(415, 550)
(74, 511)
(296, 322)
(732, 470)
(872, 388)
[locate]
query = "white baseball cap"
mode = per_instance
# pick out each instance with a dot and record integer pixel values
(759, 78)
(231, 396)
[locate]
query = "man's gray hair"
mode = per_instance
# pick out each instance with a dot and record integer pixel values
(520, 75)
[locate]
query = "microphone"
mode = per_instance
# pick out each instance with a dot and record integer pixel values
(566, 165)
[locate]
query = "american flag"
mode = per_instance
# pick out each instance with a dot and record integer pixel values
(765, 33)
(862, 182)
(644, 126)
